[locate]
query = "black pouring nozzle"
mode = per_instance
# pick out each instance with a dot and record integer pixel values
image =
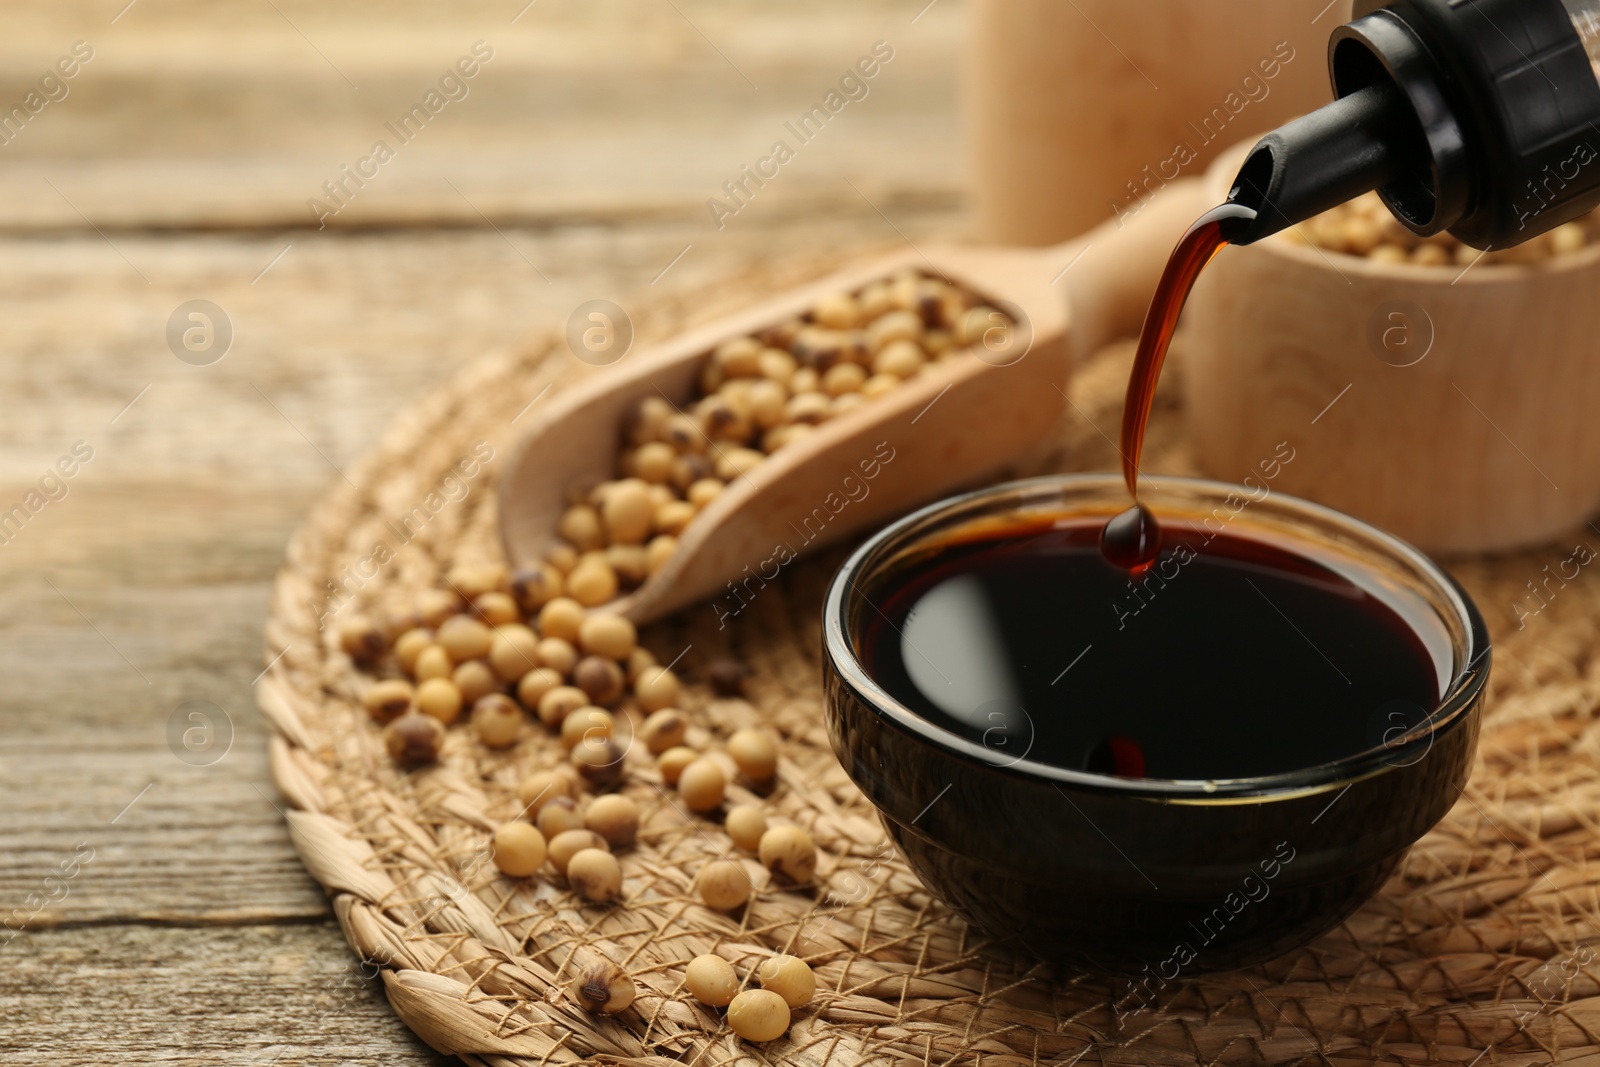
(1351, 146)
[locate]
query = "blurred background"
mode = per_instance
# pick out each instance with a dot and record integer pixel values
(176, 164)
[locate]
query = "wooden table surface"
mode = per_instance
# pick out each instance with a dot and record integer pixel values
(177, 167)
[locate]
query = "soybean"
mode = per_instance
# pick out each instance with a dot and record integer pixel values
(604, 990)
(724, 885)
(711, 980)
(558, 816)
(701, 784)
(745, 825)
(789, 851)
(755, 753)
(518, 849)
(595, 874)
(388, 700)
(615, 818)
(790, 977)
(569, 843)
(758, 1015)
(414, 739)
(497, 720)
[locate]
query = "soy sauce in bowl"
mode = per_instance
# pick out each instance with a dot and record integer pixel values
(1200, 764)
(1226, 658)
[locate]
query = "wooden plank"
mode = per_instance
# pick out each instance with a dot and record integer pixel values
(330, 340)
(592, 141)
(106, 822)
(256, 996)
(191, 117)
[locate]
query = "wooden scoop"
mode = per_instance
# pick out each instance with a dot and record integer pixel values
(956, 424)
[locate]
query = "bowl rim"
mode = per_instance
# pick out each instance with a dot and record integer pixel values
(1452, 710)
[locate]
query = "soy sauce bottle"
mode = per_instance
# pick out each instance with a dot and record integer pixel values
(1477, 117)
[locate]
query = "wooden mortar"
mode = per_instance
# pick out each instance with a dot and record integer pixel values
(1457, 407)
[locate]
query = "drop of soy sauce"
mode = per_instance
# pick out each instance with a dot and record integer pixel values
(1132, 540)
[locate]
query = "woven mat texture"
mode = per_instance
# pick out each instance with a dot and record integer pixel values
(1483, 948)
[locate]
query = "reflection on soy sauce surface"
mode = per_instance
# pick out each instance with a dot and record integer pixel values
(1230, 659)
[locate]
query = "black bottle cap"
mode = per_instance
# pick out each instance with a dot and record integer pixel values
(1434, 187)
(1524, 96)
(1480, 117)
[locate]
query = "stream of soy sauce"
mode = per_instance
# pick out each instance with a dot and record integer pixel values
(1132, 539)
(970, 634)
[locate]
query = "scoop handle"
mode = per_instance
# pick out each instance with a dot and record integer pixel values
(1110, 273)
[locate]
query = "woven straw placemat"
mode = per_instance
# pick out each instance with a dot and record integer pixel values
(1484, 947)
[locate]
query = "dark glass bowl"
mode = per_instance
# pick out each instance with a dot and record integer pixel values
(1148, 877)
